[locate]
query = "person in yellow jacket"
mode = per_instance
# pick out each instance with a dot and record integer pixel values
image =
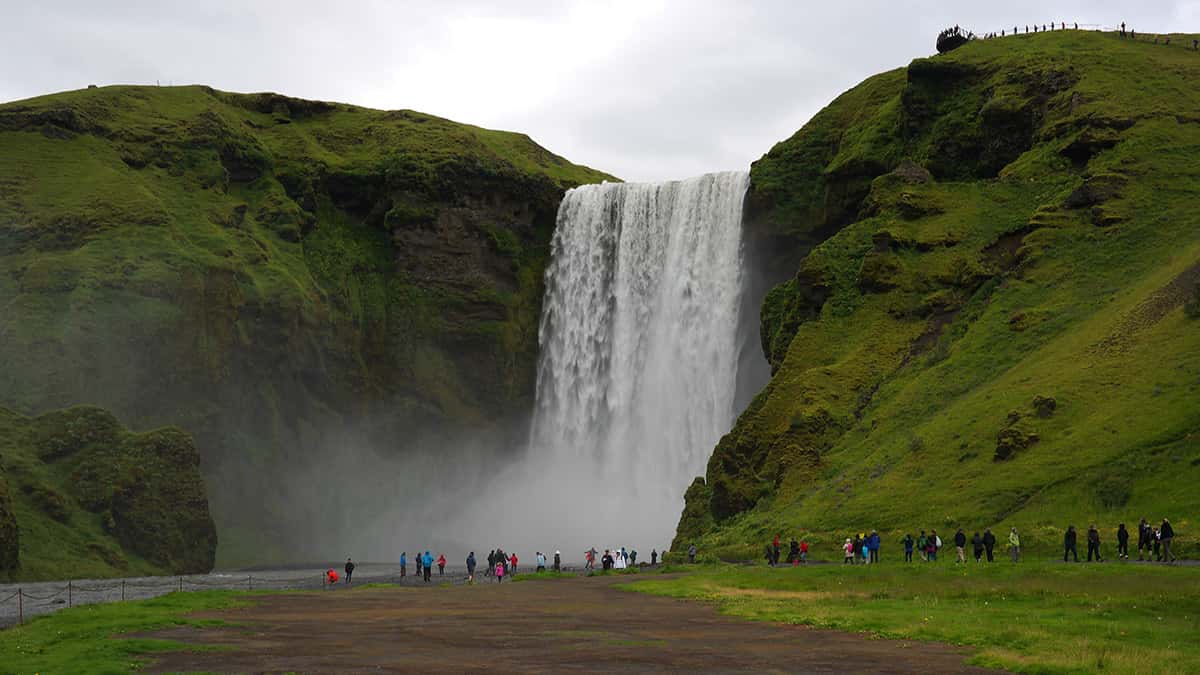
(1014, 545)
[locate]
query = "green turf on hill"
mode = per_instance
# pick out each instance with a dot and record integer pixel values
(1011, 222)
(81, 497)
(261, 270)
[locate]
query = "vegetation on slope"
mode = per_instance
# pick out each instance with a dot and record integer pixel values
(268, 272)
(996, 334)
(83, 497)
(1035, 618)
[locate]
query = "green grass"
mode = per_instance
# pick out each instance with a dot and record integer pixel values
(1029, 617)
(89, 638)
(908, 337)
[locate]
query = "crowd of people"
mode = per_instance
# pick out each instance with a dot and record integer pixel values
(1124, 32)
(1153, 543)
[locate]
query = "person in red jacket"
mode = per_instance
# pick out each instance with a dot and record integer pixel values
(513, 561)
(441, 563)
(331, 577)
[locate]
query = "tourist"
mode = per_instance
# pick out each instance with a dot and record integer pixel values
(607, 561)
(499, 571)
(419, 562)
(989, 543)
(769, 555)
(349, 570)
(692, 553)
(1069, 544)
(908, 543)
(653, 557)
(960, 544)
(1122, 542)
(873, 545)
(865, 550)
(858, 545)
(977, 544)
(331, 577)
(848, 547)
(794, 552)
(804, 551)
(541, 561)
(1157, 540)
(471, 567)
(441, 563)
(427, 566)
(1014, 545)
(633, 558)
(589, 559)
(403, 564)
(935, 545)
(1195, 45)
(1093, 541)
(923, 546)
(1166, 533)
(1122, 29)
(558, 561)
(1144, 533)
(513, 561)
(775, 551)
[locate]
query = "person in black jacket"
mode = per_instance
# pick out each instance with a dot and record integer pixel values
(989, 543)
(1093, 539)
(1143, 538)
(349, 570)
(1165, 534)
(960, 543)
(1069, 543)
(1122, 542)
(977, 544)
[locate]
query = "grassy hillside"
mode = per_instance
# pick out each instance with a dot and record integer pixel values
(267, 273)
(82, 497)
(1009, 223)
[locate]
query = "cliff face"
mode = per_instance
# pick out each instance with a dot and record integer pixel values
(85, 497)
(266, 271)
(989, 322)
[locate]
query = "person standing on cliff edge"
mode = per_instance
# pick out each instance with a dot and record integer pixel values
(349, 570)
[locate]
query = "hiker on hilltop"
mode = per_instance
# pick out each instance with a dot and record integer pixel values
(1014, 545)
(1093, 539)
(866, 550)
(403, 563)
(977, 544)
(331, 577)
(349, 570)
(923, 546)
(1157, 541)
(491, 562)
(935, 545)
(989, 543)
(908, 543)
(541, 561)
(513, 561)
(1167, 534)
(471, 567)
(420, 561)
(848, 547)
(558, 561)
(794, 552)
(960, 544)
(499, 572)
(1069, 540)
(692, 553)
(1122, 542)
(873, 545)
(427, 565)
(441, 563)
(606, 562)
(804, 551)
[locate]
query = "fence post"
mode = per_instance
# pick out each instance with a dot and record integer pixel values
(180, 584)
(70, 602)
(20, 607)
(122, 590)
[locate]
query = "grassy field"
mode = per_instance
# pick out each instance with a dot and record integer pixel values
(80, 640)
(1032, 617)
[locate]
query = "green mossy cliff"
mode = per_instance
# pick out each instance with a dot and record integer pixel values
(989, 322)
(267, 273)
(82, 497)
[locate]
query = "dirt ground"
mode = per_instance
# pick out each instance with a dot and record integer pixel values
(556, 625)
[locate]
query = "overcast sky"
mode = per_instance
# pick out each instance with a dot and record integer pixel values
(643, 89)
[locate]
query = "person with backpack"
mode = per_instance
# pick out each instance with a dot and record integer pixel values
(794, 552)
(1143, 538)
(420, 561)
(848, 548)
(541, 561)
(989, 543)
(1014, 545)
(923, 546)
(513, 560)
(1122, 542)
(1069, 541)
(471, 567)
(977, 544)
(935, 545)
(441, 563)
(908, 544)
(403, 564)
(804, 551)
(1093, 541)
(349, 570)
(1166, 534)
(692, 553)
(491, 562)
(866, 551)
(427, 565)
(960, 544)
(499, 570)
(873, 545)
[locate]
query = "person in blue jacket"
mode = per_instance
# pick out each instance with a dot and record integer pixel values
(426, 563)
(471, 568)
(404, 563)
(873, 545)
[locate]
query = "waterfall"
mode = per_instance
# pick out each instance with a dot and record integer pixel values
(639, 347)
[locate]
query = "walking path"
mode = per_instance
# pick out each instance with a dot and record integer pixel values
(534, 626)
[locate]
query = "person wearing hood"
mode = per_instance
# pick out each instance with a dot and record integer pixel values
(960, 544)
(471, 567)
(977, 544)
(989, 543)
(331, 577)
(873, 545)
(558, 561)
(1122, 542)
(1166, 535)
(848, 547)
(513, 561)
(653, 556)
(1069, 544)
(1014, 545)
(349, 570)
(441, 563)
(427, 565)
(541, 561)
(1143, 538)
(403, 564)
(606, 562)
(1093, 542)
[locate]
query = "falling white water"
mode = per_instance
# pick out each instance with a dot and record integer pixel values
(639, 347)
